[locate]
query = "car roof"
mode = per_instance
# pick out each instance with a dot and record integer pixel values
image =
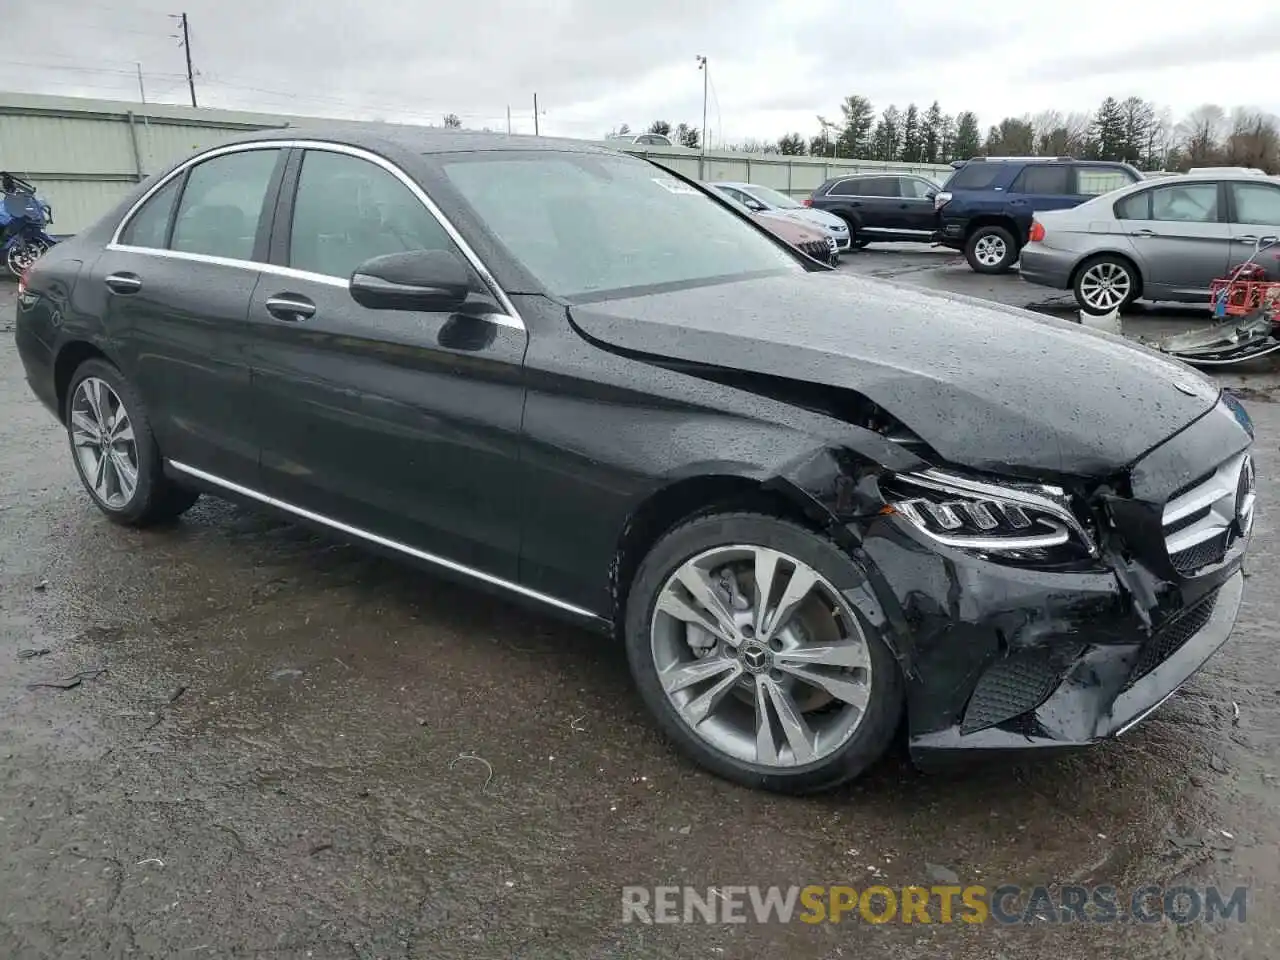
(422, 140)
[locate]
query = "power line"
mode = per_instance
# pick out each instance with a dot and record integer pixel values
(70, 69)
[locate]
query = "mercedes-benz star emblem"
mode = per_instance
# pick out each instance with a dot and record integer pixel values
(1246, 495)
(755, 657)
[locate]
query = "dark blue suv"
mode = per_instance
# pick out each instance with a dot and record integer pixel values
(985, 207)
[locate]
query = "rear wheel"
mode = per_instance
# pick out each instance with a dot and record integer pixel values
(860, 244)
(744, 644)
(991, 249)
(115, 452)
(1104, 284)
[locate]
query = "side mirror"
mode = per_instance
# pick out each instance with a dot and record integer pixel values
(756, 205)
(435, 280)
(930, 194)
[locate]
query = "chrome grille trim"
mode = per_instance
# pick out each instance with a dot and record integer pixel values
(1214, 497)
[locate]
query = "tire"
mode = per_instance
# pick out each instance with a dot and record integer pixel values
(728, 739)
(96, 397)
(859, 244)
(1105, 283)
(991, 250)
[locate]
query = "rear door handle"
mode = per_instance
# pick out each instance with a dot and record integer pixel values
(290, 307)
(1251, 239)
(1143, 233)
(123, 282)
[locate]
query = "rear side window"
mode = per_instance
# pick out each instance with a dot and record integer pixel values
(1095, 181)
(975, 176)
(1136, 206)
(1257, 203)
(150, 224)
(1042, 178)
(347, 210)
(1181, 202)
(848, 188)
(222, 203)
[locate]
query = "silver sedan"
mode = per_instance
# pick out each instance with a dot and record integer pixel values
(1155, 240)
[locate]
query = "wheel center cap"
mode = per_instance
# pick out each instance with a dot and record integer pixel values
(756, 657)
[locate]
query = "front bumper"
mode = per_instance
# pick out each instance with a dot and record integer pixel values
(1045, 266)
(1001, 658)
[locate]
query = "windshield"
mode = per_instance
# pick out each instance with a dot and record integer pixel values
(585, 224)
(772, 197)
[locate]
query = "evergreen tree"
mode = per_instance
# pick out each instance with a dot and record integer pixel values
(1107, 135)
(855, 137)
(791, 145)
(931, 140)
(967, 141)
(660, 126)
(911, 135)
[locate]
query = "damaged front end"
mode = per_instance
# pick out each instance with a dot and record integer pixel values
(1237, 340)
(1043, 617)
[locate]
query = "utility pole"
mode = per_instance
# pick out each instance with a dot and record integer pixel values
(706, 74)
(509, 119)
(186, 45)
(142, 91)
(535, 115)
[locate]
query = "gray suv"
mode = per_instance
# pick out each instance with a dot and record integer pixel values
(1157, 240)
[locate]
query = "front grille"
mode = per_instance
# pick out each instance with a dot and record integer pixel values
(1012, 686)
(1201, 555)
(1200, 519)
(1171, 638)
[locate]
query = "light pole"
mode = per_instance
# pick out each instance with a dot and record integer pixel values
(706, 73)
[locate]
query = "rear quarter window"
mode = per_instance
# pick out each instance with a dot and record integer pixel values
(847, 188)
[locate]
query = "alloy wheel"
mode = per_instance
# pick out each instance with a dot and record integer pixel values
(990, 251)
(1105, 286)
(103, 438)
(761, 656)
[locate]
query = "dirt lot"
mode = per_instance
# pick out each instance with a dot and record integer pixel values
(262, 758)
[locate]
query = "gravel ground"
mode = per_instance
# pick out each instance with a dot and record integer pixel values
(283, 747)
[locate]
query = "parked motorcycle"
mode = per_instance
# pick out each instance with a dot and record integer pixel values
(23, 217)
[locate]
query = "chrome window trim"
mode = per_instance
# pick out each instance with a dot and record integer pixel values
(383, 541)
(512, 319)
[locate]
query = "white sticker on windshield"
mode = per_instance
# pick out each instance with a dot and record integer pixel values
(675, 186)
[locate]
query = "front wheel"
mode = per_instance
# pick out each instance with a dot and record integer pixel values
(991, 249)
(115, 452)
(1105, 284)
(745, 646)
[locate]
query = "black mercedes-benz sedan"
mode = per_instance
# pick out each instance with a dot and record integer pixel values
(808, 504)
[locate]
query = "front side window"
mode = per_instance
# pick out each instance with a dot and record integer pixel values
(981, 175)
(1041, 178)
(587, 225)
(1256, 203)
(914, 189)
(1095, 181)
(773, 198)
(150, 224)
(222, 204)
(347, 210)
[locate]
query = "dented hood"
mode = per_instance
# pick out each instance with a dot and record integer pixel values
(987, 386)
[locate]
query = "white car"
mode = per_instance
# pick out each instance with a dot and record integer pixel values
(760, 199)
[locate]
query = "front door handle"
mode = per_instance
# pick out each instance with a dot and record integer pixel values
(1143, 233)
(1251, 239)
(123, 282)
(290, 307)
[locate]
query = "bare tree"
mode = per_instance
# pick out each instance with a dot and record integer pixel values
(1046, 127)
(1201, 134)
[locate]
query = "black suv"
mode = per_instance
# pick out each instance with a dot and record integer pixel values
(985, 207)
(880, 207)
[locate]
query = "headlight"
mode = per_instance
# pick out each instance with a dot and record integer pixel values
(1023, 521)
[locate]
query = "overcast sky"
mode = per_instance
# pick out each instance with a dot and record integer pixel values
(598, 63)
